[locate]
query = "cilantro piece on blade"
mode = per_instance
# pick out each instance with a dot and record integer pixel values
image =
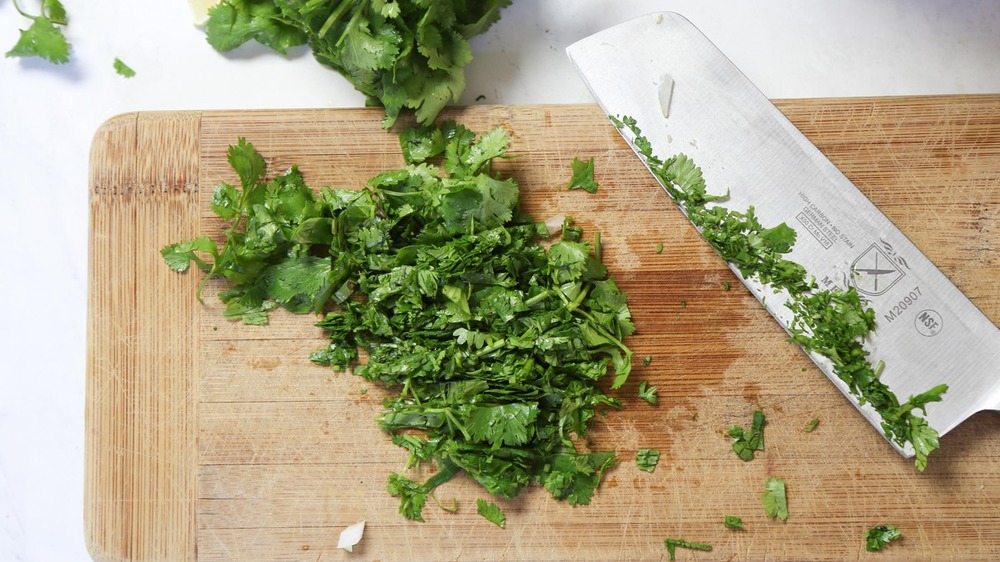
(673, 544)
(44, 38)
(774, 498)
(123, 69)
(831, 323)
(491, 512)
(880, 536)
(647, 459)
(583, 176)
(747, 441)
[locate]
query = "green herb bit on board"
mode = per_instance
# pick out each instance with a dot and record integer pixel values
(673, 544)
(583, 176)
(880, 536)
(491, 512)
(732, 522)
(830, 323)
(493, 346)
(646, 459)
(749, 440)
(774, 499)
(647, 392)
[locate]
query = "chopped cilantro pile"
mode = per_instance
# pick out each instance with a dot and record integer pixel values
(496, 345)
(831, 323)
(398, 53)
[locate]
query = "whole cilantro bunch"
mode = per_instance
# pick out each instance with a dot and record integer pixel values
(398, 53)
(496, 344)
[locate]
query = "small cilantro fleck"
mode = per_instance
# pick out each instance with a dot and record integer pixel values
(732, 522)
(811, 425)
(491, 512)
(646, 459)
(123, 69)
(647, 360)
(880, 536)
(659, 248)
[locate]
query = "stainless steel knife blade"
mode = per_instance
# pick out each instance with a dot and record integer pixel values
(688, 97)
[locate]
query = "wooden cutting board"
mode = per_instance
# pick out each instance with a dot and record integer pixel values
(212, 440)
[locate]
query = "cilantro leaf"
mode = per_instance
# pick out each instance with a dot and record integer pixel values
(748, 441)
(811, 426)
(491, 512)
(774, 498)
(123, 69)
(583, 176)
(43, 38)
(647, 459)
(647, 393)
(880, 536)
(232, 23)
(673, 544)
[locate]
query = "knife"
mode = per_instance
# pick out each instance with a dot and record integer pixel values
(687, 97)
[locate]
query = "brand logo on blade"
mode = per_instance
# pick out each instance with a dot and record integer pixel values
(877, 269)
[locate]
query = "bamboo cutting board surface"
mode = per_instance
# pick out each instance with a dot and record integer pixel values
(211, 440)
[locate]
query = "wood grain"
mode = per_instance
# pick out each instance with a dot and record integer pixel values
(211, 440)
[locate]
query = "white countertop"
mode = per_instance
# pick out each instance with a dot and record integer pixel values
(48, 115)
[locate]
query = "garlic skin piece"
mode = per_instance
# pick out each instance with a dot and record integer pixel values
(351, 536)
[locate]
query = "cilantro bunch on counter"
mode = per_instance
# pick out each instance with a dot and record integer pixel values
(831, 323)
(495, 346)
(398, 53)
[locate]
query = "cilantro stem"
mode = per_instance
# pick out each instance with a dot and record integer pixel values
(537, 298)
(57, 21)
(334, 16)
(20, 11)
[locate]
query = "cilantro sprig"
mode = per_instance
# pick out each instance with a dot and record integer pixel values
(44, 38)
(495, 345)
(401, 54)
(832, 323)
